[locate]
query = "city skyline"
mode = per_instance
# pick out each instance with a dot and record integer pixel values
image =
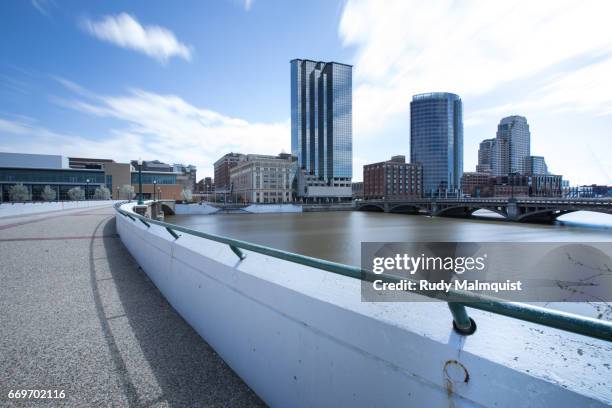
(70, 86)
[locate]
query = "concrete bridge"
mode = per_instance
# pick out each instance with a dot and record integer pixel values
(531, 209)
(156, 209)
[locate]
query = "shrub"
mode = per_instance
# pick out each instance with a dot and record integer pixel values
(19, 192)
(48, 194)
(102, 193)
(76, 194)
(126, 192)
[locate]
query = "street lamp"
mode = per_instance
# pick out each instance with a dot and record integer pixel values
(513, 175)
(140, 202)
(117, 196)
(159, 197)
(154, 189)
(86, 188)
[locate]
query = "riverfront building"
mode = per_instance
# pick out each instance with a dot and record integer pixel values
(223, 166)
(512, 146)
(321, 128)
(392, 179)
(436, 140)
(35, 171)
(261, 178)
(476, 184)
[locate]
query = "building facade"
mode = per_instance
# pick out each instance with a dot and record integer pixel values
(223, 166)
(485, 155)
(512, 146)
(476, 184)
(205, 186)
(154, 165)
(392, 179)
(37, 171)
(535, 165)
(87, 163)
(436, 140)
(263, 179)
(321, 127)
(186, 176)
(357, 189)
(514, 185)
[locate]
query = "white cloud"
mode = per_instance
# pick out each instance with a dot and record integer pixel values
(154, 126)
(42, 6)
(248, 4)
(471, 48)
(585, 90)
(125, 31)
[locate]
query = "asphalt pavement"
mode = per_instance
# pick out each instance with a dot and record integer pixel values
(78, 314)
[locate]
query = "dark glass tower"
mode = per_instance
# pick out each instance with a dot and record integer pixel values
(436, 139)
(321, 119)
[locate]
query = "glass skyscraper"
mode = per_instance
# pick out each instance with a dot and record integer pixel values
(436, 139)
(321, 120)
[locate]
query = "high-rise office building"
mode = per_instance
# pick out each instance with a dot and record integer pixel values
(485, 154)
(321, 127)
(512, 146)
(436, 140)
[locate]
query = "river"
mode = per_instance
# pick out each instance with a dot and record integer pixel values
(336, 236)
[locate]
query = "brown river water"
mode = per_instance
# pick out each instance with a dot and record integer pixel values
(337, 236)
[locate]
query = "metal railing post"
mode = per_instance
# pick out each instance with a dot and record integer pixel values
(238, 252)
(462, 323)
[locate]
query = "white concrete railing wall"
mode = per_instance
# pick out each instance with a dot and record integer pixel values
(301, 337)
(10, 209)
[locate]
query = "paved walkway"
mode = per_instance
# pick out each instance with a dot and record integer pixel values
(78, 314)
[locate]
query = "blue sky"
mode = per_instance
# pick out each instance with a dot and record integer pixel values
(187, 82)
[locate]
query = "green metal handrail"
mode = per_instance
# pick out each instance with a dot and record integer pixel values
(457, 299)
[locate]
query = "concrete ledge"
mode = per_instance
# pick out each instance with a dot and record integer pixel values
(195, 209)
(301, 337)
(273, 208)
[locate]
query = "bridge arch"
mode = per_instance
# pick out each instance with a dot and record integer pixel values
(372, 207)
(405, 209)
(467, 211)
(552, 214)
(167, 209)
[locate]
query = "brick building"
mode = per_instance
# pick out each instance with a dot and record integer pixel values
(392, 179)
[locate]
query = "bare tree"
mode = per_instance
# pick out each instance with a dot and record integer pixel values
(126, 191)
(76, 194)
(102, 193)
(186, 195)
(19, 192)
(48, 194)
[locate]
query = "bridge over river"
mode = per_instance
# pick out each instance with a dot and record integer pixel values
(530, 209)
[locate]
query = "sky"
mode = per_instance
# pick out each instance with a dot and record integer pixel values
(186, 82)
